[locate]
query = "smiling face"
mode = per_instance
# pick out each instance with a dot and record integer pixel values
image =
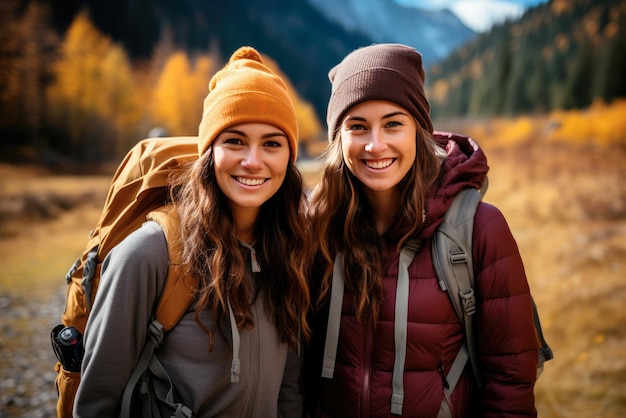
(250, 165)
(378, 142)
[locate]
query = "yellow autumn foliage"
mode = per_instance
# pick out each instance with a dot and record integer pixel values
(600, 124)
(102, 104)
(122, 105)
(94, 94)
(73, 95)
(180, 92)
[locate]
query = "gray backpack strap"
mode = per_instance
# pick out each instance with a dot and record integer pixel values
(334, 319)
(457, 369)
(138, 383)
(451, 380)
(400, 324)
(545, 352)
(452, 260)
(139, 372)
(180, 410)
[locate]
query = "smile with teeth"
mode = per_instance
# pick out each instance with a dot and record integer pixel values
(249, 181)
(379, 163)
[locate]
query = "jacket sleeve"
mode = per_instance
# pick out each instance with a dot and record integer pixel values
(132, 276)
(505, 338)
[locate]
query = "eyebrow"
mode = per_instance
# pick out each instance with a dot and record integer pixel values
(267, 135)
(387, 116)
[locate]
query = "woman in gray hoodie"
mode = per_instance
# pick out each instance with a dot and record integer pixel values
(240, 208)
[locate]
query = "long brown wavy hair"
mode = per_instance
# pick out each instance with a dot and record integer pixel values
(212, 252)
(341, 221)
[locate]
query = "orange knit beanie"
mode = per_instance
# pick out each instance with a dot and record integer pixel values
(246, 91)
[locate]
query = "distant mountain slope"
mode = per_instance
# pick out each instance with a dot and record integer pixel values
(559, 55)
(305, 37)
(434, 33)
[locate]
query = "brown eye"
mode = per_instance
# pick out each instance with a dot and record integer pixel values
(355, 127)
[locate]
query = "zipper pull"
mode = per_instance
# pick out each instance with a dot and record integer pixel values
(256, 267)
(443, 378)
(254, 263)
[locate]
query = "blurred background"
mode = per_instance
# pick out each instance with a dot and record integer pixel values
(540, 85)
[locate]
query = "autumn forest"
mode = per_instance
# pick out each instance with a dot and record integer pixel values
(81, 99)
(71, 95)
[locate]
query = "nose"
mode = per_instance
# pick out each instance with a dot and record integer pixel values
(252, 158)
(376, 143)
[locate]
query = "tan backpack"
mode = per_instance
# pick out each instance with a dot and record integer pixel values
(138, 192)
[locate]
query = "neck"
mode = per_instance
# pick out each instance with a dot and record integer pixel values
(244, 222)
(385, 206)
(245, 236)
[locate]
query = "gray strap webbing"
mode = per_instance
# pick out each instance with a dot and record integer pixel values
(180, 410)
(400, 326)
(89, 272)
(457, 368)
(452, 260)
(140, 376)
(452, 379)
(235, 369)
(147, 361)
(334, 319)
(156, 338)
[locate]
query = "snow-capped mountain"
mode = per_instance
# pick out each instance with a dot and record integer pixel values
(434, 33)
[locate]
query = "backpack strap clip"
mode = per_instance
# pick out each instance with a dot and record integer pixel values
(458, 257)
(469, 301)
(89, 272)
(157, 332)
(72, 270)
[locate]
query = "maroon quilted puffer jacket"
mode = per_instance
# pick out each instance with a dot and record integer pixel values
(505, 337)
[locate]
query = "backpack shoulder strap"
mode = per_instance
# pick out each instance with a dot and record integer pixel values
(452, 260)
(400, 322)
(179, 287)
(175, 299)
(545, 352)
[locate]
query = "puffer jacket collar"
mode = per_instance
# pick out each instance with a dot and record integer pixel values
(465, 166)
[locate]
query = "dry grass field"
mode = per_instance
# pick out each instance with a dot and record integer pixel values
(566, 204)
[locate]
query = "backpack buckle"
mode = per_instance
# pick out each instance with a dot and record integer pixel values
(157, 332)
(457, 257)
(413, 245)
(72, 270)
(469, 302)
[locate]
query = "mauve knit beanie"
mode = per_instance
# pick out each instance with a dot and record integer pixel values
(247, 91)
(391, 72)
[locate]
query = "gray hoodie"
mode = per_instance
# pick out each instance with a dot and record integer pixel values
(133, 276)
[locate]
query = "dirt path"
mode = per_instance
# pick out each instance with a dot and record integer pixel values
(37, 247)
(32, 299)
(26, 360)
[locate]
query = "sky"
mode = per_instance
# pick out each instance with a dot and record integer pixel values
(478, 15)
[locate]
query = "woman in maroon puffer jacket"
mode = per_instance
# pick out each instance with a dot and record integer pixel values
(389, 178)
